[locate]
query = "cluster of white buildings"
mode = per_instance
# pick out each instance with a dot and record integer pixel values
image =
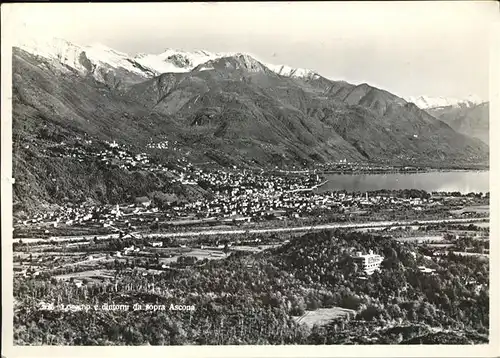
(165, 144)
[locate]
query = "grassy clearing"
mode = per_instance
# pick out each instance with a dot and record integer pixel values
(323, 316)
(92, 274)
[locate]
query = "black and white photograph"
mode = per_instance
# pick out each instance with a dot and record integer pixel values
(249, 174)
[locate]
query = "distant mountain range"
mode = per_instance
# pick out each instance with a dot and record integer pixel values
(472, 120)
(469, 116)
(426, 102)
(227, 108)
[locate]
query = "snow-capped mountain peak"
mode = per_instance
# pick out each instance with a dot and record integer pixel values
(173, 60)
(96, 58)
(427, 102)
(145, 65)
(54, 49)
(288, 71)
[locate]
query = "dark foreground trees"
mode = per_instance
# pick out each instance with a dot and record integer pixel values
(257, 299)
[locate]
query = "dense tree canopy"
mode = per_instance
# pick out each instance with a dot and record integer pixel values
(253, 298)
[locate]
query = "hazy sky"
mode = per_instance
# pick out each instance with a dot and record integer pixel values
(408, 48)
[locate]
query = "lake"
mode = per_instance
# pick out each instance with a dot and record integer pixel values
(449, 181)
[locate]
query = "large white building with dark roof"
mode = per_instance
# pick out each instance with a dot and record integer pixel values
(369, 263)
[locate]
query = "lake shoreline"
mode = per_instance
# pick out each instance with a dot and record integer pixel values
(396, 171)
(463, 181)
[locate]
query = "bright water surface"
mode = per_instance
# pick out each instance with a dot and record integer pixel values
(461, 181)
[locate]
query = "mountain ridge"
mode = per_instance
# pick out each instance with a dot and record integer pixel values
(168, 61)
(178, 60)
(428, 102)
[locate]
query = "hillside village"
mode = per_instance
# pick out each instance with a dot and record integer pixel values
(248, 205)
(236, 194)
